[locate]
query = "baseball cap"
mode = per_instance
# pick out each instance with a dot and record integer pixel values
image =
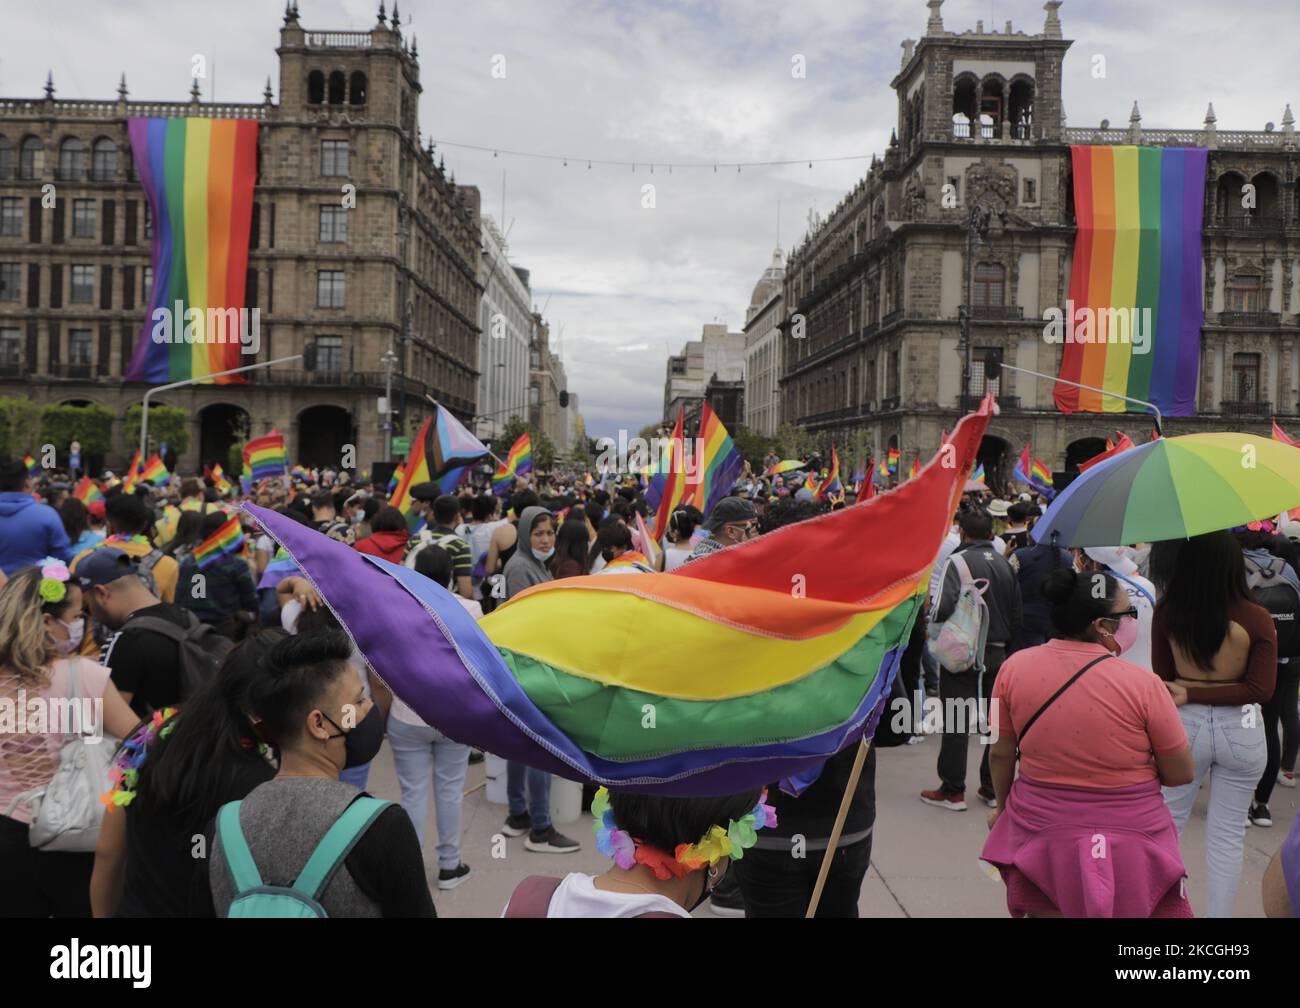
(731, 509)
(103, 566)
(1113, 557)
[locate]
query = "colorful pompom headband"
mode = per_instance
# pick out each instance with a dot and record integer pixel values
(54, 580)
(717, 843)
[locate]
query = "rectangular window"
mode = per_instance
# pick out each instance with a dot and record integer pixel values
(106, 287)
(1245, 294)
(979, 385)
(83, 285)
(333, 224)
(83, 218)
(1031, 191)
(11, 275)
(891, 374)
(56, 285)
(110, 222)
(11, 217)
(146, 284)
(131, 210)
(148, 221)
(11, 350)
(329, 354)
(329, 289)
(1245, 377)
(33, 285)
(81, 348)
(334, 157)
(128, 287)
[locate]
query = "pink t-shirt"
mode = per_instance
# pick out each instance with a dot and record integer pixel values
(1101, 732)
(31, 728)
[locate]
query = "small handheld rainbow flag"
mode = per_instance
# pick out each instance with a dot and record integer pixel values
(301, 472)
(219, 479)
(649, 547)
(519, 462)
(831, 485)
(265, 456)
(30, 463)
(87, 491)
(867, 488)
(1033, 472)
(227, 540)
(132, 474)
(977, 474)
(155, 471)
(396, 478)
(915, 468)
(893, 458)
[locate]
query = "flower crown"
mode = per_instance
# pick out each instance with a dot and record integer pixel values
(717, 843)
(54, 580)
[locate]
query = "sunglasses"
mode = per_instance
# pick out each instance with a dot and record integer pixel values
(1117, 616)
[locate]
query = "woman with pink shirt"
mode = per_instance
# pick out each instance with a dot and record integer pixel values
(1083, 831)
(41, 626)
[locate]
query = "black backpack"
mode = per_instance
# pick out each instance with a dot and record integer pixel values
(201, 650)
(1276, 594)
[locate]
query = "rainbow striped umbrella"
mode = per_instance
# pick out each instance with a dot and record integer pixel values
(708, 680)
(1174, 488)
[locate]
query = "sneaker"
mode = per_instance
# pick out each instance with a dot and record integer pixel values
(450, 878)
(988, 797)
(1259, 815)
(518, 825)
(551, 841)
(475, 757)
(951, 802)
(725, 901)
(1286, 778)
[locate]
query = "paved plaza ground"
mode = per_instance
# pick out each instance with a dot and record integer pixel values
(924, 861)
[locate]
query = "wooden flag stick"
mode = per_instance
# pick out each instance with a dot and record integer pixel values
(864, 747)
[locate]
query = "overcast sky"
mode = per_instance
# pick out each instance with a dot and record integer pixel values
(692, 81)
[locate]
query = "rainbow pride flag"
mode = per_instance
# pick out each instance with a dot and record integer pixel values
(718, 464)
(87, 491)
(132, 473)
(892, 460)
(155, 471)
(1133, 319)
(867, 488)
(198, 175)
(265, 456)
(226, 541)
(1034, 473)
(219, 480)
(30, 463)
(791, 680)
(396, 478)
(442, 444)
(915, 468)
(831, 485)
(301, 472)
(977, 474)
(519, 462)
(788, 465)
(668, 485)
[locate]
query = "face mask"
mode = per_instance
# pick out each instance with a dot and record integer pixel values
(544, 555)
(1126, 634)
(358, 518)
(76, 630)
(362, 742)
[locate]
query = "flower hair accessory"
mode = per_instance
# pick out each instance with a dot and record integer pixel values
(627, 850)
(54, 580)
(130, 757)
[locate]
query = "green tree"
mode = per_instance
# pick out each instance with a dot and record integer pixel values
(20, 427)
(752, 447)
(651, 431)
(166, 423)
(543, 447)
(234, 462)
(793, 442)
(92, 425)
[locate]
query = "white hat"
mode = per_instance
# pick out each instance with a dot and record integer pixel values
(1112, 557)
(1291, 529)
(1025, 497)
(998, 508)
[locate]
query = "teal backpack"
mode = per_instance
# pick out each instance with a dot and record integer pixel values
(302, 899)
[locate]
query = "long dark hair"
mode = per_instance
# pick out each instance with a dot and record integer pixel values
(75, 517)
(187, 775)
(189, 530)
(1209, 576)
(571, 544)
(666, 822)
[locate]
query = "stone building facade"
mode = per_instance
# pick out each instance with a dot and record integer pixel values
(397, 272)
(873, 295)
(506, 321)
(763, 346)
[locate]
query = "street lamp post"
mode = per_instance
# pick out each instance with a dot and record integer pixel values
(388, 360)
(977, 225)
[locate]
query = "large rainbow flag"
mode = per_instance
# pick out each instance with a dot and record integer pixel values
(745, 684)
(1137, 256)
(443, 444)
(198, 176)
(718, 465)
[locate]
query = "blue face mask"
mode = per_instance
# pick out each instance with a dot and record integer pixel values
(544, 555)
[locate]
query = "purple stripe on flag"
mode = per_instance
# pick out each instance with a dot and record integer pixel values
(1192, 310)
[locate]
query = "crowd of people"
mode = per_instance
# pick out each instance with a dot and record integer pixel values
(247, 721)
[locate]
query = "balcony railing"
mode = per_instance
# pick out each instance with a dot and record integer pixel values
(889, 403)
(1004, 312)
(72, 372)
(13, 369)
(1256, 319)
(1245, 407)
(891, 318)
(1263, 224)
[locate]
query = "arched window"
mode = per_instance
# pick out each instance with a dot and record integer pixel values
(963, 105)
(990, 285)
(315, 87)
(992, 107)
(6, 158)
(357, 88)
(338, 87)
(103, 164)
(1267, 204)
(1021, 108)
(27, 157)
(72, 160)
(1227, 199)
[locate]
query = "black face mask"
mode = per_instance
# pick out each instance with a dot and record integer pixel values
(362, 742)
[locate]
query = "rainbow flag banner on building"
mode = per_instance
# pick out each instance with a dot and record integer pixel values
(1132, 323)
(265, 456)
(718, 466)
(87, 491)
(198, 176)
(155, 471)
(226, 541)
(519, 462)
(791, 680)
(442, 444)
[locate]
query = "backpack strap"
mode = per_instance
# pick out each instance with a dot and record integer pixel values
(168, 629)
(337, 844)
(239, 859)
(1052, 699)
(532, 897)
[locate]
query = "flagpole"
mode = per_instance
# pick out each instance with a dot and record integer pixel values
(1091, 388)
(494, 458)
(864, 746)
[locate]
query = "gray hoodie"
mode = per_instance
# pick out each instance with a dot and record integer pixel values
(524, 569)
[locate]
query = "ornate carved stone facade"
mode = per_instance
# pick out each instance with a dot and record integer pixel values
(873, 293)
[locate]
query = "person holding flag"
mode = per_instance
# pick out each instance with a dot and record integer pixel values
(227, 600)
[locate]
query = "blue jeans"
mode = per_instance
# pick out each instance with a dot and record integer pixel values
(1227, 743)
(420, 755)
(538, 801)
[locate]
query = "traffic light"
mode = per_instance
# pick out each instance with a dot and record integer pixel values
(993, 364)
(564, 400)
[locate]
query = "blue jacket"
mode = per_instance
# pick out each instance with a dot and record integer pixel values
(29, 532)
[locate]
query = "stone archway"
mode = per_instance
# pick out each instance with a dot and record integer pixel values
(322, 433)
(1082, 449)
(993, 456)
(220, 426)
